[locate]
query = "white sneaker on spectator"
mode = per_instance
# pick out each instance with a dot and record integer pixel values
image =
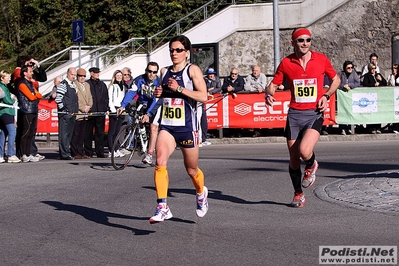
(125, 152)
(118, 153)
(2, 160)
(206, 143)
(13, 159)
(33, 159)
(25, 159)
(41, 157)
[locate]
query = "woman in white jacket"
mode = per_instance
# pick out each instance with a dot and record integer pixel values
(116, 92)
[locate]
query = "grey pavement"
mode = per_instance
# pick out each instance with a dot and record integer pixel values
(83, 212)
(377, 191)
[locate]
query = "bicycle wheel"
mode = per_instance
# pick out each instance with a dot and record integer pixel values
(125, 142)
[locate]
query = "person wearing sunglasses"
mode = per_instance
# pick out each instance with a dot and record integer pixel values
(304, 71)
(127, 76)
(143, 90)
(349, 77)
(349, 80)
(183, 87)
(85, 102)
(373, 78)
(233, 83)
(393, 78)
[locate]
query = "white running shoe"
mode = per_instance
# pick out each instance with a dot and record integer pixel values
(309, 176)
(13, 159)
(118, 153)
(41, 157)
(125, 152)
(202, 203)
(206, 143)
(162, 212)
(2, 160)
(147, 159)
(110, 154)
(33, 159)
(298, 201)
(25, 159)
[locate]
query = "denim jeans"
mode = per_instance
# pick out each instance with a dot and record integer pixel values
(2, 143)
(11, 133)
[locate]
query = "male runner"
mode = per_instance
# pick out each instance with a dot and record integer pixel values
(304, 72)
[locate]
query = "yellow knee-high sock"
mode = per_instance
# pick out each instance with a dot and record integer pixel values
(198, 181)
(161, 181)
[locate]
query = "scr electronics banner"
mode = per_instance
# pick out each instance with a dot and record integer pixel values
(250, 111)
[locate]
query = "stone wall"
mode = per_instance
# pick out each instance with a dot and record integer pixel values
(351, 32)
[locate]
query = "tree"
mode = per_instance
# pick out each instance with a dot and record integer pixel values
(41, 28)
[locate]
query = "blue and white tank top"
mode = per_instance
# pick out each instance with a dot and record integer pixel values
(179, 112)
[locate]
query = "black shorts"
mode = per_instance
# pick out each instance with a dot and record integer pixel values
(300, 120)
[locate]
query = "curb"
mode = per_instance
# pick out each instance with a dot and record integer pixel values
(53, 143)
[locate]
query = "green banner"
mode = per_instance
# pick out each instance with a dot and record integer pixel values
(366, 105)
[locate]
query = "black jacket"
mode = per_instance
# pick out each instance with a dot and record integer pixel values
(99, 92)
(237, 84)
(369, 80)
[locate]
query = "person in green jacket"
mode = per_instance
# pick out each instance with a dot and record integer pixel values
(7, 122)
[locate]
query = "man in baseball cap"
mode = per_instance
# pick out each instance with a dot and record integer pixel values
(210, 71)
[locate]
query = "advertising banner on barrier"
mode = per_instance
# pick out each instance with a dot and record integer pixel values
(368, 105)
(47, 121)
(248, 110)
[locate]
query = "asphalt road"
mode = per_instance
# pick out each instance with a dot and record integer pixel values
(83, 212)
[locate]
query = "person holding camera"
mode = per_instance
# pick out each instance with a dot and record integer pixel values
(39, 75)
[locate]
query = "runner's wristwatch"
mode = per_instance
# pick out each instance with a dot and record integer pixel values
(327, 96)
(179, 89)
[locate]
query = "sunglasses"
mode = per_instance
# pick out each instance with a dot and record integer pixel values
(126, 75)
(81, 75)
(178, 50)
(301, 40)
(153, 72)
(349, 68)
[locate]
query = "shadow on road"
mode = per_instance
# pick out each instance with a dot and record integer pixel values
(218, 195)
(98, 216)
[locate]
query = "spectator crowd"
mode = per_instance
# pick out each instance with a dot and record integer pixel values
(82, 99)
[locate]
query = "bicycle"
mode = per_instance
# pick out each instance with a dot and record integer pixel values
(132, 138)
